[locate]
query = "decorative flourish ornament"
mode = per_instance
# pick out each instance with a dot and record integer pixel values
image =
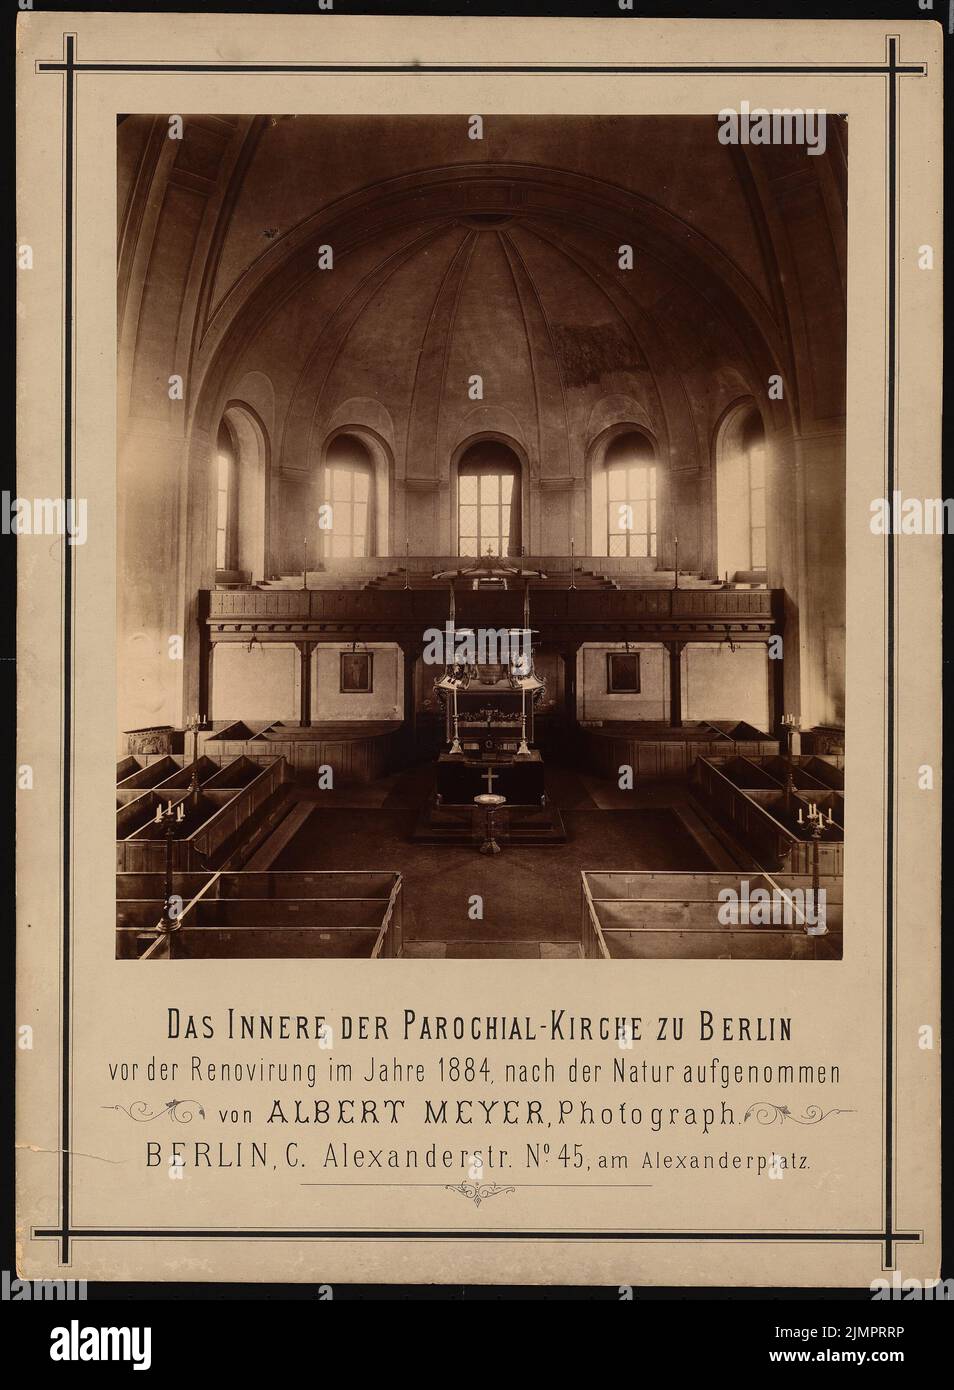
(182, 1111)
(478, 1192)
(768, 1113)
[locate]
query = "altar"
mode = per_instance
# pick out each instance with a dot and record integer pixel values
(520, 780)
(488, 710)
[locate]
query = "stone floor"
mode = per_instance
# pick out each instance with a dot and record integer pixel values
(531, 896)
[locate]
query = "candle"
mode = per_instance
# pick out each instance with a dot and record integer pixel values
(158, 814)
(801, 818)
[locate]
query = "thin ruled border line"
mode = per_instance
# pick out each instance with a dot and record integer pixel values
(596, 1234)
(541, 69)
(890, 621)
(891, 69)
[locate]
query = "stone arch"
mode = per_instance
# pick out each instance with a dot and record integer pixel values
(730, 490)
(596, 483)
(253, 469)
(381, 457)
(518, 450)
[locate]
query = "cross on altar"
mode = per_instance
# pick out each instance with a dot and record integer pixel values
(490, 777)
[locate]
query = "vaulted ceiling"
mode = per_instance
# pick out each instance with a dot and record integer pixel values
(498, 258)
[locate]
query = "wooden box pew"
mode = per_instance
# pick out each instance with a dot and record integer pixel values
(139, 902)
(773, 802)
(128, 799)
(676, 916)
(748, 774)
(237, 915)
(196, 815)
(830, 770)
(361, 751)
(234, 775)
(802, 776)
(319, 884)
(220, 832)
(655, 751)
(826, 801)
(230, 740)
(134, 814)
(129, 795)
(182, 776)
(146, 773)
(757, 821)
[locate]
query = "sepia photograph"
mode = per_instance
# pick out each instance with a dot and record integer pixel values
(479, 499)
(481, 561)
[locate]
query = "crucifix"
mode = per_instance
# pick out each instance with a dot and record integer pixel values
(490, 777)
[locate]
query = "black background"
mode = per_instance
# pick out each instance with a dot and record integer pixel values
(197, 1328)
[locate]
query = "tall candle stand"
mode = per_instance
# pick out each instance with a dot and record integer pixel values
(789, 725)
(455, 749)
(196, 722)
(816, 817)
(169, 818)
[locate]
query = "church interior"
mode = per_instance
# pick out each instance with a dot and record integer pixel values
(481, 561)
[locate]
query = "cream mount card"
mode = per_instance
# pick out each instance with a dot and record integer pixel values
(635, 333)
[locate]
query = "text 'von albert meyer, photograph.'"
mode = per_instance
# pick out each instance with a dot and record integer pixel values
(481, 541)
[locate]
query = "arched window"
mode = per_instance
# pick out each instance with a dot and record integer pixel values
(630, 465)
(753, 448)
(241, 475)
(488, 500)
(225, 500)
(740, 492)
(349, 488)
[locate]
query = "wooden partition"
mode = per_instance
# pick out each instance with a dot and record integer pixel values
(657, 915)
(334, 913)
(660, 754)
(224, 826)
(734, 793)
